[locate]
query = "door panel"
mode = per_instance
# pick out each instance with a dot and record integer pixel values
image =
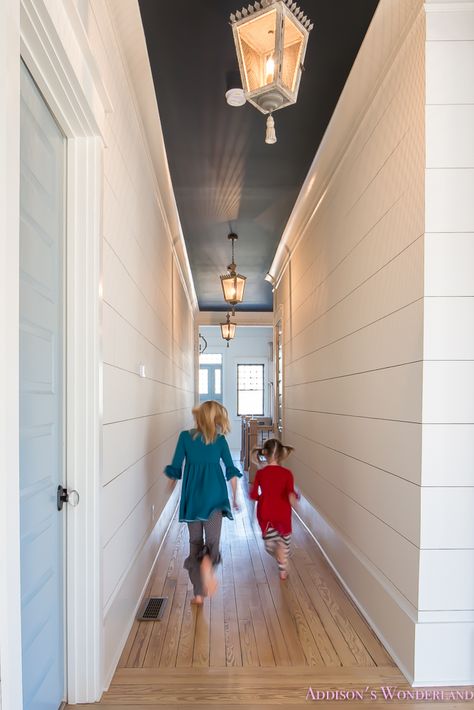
(42, 218)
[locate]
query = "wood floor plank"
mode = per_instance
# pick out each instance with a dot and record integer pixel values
(140, 644)
(201, 636)
(279, 647)
(171, 639)
(331, 628)
(217, 653)
(349, 610)
(323, 642)
(123, 662)
(352, 639)
(184, 657)
(307, 642)
(158, 628)
(233, 651)
(287, 621)
(262, 638)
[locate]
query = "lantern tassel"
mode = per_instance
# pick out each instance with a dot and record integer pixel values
(270, 135)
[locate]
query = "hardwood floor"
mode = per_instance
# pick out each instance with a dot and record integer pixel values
(258, 640)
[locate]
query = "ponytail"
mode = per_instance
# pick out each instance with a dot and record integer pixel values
(272, 448)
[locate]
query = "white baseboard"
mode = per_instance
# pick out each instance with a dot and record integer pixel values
(121, 613)
(431, 650)
(389, 614)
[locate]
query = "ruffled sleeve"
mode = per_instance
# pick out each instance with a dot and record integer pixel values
(175, 469)
(230, 469)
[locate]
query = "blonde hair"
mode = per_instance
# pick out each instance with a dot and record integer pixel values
(272, 449)
(211, 419)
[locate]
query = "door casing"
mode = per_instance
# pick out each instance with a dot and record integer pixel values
(44, 33)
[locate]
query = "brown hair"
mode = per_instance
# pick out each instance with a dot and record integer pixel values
(211, 419)
(273, 449)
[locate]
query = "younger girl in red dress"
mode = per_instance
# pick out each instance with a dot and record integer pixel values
(274, 491)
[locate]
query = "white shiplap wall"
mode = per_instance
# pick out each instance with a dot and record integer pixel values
(147, 319)
(351, 298)
(445, 635)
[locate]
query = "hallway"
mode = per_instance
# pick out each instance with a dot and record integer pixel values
(258, 641)
(159, 249)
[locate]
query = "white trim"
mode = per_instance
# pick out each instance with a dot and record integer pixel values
(47, 42)
(247, 318)
(10, 617)
(446, 6)
(84, 416)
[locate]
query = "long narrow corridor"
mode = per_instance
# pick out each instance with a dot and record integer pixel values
(258, 641)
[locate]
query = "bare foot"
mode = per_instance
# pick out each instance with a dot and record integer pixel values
(283, 574)
(209, 580)
(198, 600)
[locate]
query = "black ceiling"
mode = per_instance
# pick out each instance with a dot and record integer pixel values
(225, 177)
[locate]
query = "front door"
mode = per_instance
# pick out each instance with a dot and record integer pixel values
(210, 377)
(42, 395)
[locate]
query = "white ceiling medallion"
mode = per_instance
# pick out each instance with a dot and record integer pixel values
(235, 97)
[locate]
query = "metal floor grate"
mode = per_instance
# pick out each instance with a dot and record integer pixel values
(152, 609)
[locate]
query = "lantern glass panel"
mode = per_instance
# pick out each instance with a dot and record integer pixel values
(227, 330)
(233, 288)
(293, 40)
(239, 288)
(257, 47)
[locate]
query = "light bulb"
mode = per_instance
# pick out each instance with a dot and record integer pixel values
(269, 70)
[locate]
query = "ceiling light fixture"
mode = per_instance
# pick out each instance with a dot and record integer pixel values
(233, 284)
(270, 39)
(234, 94)
(228, 329)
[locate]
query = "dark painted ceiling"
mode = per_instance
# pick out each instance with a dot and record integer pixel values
(225, 177)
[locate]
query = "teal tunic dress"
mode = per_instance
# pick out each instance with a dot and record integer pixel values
(204, 487)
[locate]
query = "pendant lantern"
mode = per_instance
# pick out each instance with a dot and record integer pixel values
(233, 284)
(228, 329)
(270, 39)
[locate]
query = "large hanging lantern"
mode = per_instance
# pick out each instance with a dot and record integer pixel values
(270, 38)
(228, 329)
(233, 284)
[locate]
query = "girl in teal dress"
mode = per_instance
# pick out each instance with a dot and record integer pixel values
(204, 498)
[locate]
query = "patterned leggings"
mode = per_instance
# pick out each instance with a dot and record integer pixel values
(277, 546)
(211, 529)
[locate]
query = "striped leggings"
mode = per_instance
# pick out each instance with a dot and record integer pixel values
(277, 546)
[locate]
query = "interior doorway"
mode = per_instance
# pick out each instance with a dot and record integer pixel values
(42, 347)
(210, 377)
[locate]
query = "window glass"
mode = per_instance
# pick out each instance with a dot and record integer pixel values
(250, 390)
(210, 359)
(203, 380)
(218, 381)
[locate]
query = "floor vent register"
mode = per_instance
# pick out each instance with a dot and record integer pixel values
(152, 609)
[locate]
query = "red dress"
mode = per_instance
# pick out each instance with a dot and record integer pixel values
(273, 504)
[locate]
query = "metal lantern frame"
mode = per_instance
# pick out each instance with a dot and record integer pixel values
(233, 284)
(272, 96)
(228, 329)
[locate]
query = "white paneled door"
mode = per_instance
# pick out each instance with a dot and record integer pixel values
(42, 398)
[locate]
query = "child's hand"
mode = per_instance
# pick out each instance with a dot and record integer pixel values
(293, 499)
(235, 504)
(171, 482)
